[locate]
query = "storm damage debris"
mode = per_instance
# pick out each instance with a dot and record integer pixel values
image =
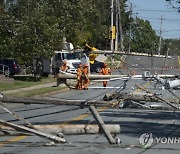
(102, 125)
(48, 130)
(36, 132)
(81, 103)
(66, 129)
(160, 98)
(4, 107)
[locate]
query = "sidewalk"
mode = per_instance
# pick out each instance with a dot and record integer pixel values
(51, 84)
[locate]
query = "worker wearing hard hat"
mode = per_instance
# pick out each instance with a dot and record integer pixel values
(79, 77)
(105, 71)
(85, 78)
(64, 66)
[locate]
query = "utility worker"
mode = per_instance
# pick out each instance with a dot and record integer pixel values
(79, 77)
(85, 78)
(105, 71)
(64, 67)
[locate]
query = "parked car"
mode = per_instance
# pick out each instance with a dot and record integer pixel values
(9, 67)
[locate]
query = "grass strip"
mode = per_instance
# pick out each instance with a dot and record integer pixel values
(34, 92)
(22, 84)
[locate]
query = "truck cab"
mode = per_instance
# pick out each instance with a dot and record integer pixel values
(72, 59)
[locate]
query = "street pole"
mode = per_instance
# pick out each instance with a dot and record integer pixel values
(112, 16)
(130, 16)
(160, 41)
(117, 30)
(120, 25)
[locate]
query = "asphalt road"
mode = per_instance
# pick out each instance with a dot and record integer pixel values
(134, 122)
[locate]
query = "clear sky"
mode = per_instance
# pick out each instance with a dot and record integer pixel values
(153, 10)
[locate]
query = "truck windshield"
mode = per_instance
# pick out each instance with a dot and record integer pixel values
(72, 56)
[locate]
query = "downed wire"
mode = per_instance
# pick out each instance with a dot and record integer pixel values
(54, 101)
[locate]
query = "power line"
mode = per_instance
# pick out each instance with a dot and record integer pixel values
(155, 10)
(178, 30)
(165, 19)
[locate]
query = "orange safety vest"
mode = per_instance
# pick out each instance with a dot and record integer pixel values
(85, 71)
(64, 67)
(79, 71)
(105, 71)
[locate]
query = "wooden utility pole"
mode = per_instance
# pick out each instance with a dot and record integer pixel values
(36, 132)
(130, 16)
(4, 107)
(112, 24)
(160, 40)
(117, 30)
(165, 61)
(65, 129)
(102, 124)
(159, 98)
(120, 26)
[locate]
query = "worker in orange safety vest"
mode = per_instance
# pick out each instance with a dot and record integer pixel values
(85, 78)
(105, 71)
(64, 67)
(79, 77)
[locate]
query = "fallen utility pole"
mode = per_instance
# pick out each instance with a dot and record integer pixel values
(131, 96)
(67, 129)
(36, 132)
(4, 107)
(159, 98)
(126, 53)
(54, 101)
(102, 124)
(63, 76)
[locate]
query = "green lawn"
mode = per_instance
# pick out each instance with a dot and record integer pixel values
(22, 84)
(34, 92)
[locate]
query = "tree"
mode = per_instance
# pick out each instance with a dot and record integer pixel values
(7, 32)
(173, 45)
(33, 31)
(144, 38)
(37, 27)
(31, 28)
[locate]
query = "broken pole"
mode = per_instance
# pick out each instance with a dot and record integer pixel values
(159, 98)
(68, 129)
(38, 133)
(101, 124)
(4, 107)
(53, 101)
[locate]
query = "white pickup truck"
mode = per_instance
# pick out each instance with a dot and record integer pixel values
(72, 59)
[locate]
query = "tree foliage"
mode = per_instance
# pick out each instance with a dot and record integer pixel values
(173, 45)
(31, 28)
(143, 37)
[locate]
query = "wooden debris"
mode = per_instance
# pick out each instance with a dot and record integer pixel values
(4, 107)
(54, 101)
(159, 98)
(36, 132)
(68, 129)
(137, 97)
(102, 124)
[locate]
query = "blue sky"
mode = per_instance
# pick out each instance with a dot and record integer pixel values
(152, 10)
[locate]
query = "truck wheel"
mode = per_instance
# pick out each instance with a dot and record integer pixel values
(7, 73)
(98, 70)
